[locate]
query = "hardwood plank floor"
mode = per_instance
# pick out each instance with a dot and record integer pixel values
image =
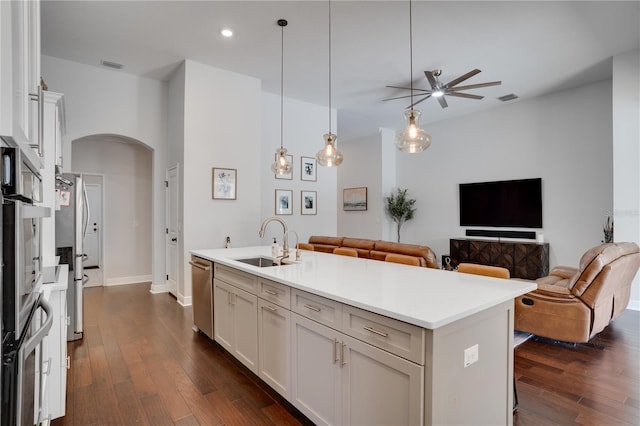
(140, 363)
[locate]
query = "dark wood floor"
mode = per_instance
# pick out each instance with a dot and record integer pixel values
(140, 363)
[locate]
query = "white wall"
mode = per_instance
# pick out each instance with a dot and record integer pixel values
(222, 122)
(101, 101)
(126, 168)
(304, 125)
(626, 155)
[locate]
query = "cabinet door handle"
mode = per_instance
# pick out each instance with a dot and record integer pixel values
(375, 331)
(199, 266)
(38, 97)
(313, 308)
(271, 292)
(270, 308)
(342, 360)
(335, 351)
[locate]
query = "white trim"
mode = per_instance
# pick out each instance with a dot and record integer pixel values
(634, 305)
(184, 301)
(159, 288)
(128, 280)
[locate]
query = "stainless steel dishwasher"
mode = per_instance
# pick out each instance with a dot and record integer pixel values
(202, 285)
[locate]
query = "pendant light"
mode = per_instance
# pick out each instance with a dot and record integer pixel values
(281, 166)
(412, 139)
(329, 156)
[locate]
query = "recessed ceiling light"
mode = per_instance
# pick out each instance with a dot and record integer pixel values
(226, 32)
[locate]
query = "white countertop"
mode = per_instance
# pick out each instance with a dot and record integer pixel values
(430, 298)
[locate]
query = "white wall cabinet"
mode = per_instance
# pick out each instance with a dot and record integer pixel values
(236, 322)
(20, 97)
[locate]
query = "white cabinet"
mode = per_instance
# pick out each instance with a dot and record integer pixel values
(20, 97)
(54, 350)
(351, 375)
(274, 346)
(236, 322)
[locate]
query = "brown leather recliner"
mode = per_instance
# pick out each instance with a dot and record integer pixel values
(575, 304)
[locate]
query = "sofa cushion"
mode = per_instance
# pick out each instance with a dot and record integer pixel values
(363, 246)
(424, 252)
(330, 241)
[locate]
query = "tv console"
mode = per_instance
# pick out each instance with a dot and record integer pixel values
(529, 260)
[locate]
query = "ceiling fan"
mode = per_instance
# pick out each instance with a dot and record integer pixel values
(440, 90)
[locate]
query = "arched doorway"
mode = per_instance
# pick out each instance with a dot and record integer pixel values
(121, 168)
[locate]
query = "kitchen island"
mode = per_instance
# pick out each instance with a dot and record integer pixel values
(358, 341)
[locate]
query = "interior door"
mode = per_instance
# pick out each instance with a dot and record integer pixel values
(171, 241)
(94, 228)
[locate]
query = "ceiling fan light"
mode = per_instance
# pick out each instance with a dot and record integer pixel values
(437, 93)
(281, 166)
(412, 139)
(329, 156)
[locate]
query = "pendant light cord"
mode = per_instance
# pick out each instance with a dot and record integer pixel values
(329, 66)
(411, 53)
(282, 24)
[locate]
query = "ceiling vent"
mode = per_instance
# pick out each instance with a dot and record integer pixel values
(509, 97)
(110, 64)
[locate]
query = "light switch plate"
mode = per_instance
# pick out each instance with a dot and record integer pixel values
(470, 355)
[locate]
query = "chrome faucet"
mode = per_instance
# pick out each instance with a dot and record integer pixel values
(296, 251)
(285, 238)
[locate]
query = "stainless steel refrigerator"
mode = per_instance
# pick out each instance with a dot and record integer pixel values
(71, 228)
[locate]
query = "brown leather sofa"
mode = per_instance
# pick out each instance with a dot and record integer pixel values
(575, 304)
(378, 250)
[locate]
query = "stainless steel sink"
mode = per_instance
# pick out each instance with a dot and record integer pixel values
(261, 262)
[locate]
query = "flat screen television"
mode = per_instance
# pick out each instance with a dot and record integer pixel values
(509, 203)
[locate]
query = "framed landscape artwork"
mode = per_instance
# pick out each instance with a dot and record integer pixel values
(308, 202)
(284, 201)
(308, 168)
(354, 199)
(288, 176)
(224, 184)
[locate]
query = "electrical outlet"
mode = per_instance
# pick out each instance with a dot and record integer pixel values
(470, 355)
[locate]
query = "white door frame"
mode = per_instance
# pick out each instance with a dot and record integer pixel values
(168, 260)
(103, 227)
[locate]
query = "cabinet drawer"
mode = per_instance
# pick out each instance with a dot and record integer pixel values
(397, 337)
(317, 308)
(274, 292)
(237, 278)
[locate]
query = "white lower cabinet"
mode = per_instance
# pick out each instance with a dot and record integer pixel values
(342, 380)
(236, 322)
(274, 346)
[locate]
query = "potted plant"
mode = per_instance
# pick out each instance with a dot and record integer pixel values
(607, 229)
(400, 207)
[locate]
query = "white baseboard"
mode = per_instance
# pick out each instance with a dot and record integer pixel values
(184, 301)
(159, 288)
(128, 280)
(634, 305)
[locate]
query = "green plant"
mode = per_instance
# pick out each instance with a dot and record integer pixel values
(400, 208)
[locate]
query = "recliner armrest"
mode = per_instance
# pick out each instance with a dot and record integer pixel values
(559, 292)
(564, 271)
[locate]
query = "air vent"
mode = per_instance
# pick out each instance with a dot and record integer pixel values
(509, 97)
(110, 64)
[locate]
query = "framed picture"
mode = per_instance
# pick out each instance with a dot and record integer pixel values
(354, 199)
(308, 168)
(288, 176)
(224, 184)
(284, 201)
(308, 200)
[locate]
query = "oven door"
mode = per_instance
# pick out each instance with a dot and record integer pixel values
(20, 178)
(22, 364)
(21, 255)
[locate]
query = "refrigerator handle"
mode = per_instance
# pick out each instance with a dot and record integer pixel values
(79, 326)
(86, 213)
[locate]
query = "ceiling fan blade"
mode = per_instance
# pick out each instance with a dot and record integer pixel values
(408, 88)
(462, 78)
(464, 95)
(397, 97)
(475, 86)
(421, 100)
(443, 102)
(431, 79)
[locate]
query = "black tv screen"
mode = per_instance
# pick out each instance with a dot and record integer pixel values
(509, 203)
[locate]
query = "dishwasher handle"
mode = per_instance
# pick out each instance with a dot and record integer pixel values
(199, 266)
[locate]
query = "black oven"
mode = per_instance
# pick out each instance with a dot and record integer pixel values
(20, 178)
(21, 257)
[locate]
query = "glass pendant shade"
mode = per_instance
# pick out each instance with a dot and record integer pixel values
(281, 166)
(412, 139)
(329, 156)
